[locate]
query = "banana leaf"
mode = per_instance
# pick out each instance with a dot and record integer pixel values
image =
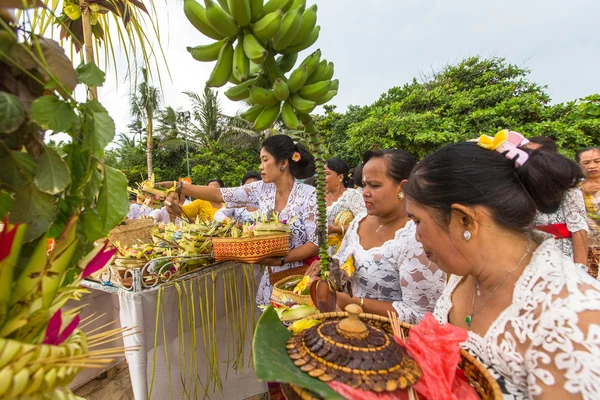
(271, 360)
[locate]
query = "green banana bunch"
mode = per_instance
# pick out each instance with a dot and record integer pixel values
(241, 63)
(286, 62)
(290, 26)
(312, 62)
(335, 84)
(223, 68)
(267, 117)
(273, 5)
(254, 50)
(316, 76)
(281, 90)
(224, 6)
(302, 105)
(265, 28)
(252, 113)
(328, 96)
(241, 91)
(297, 3)
(208, 52)
(298, 78)
(262, 96)
(256, 9)
(220, 20)
(309, 20)
(288, 115)
(196, 14)
(240, 10)
(309, 41)
(315, 91)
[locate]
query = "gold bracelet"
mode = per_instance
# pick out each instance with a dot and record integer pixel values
(362, 302)
(342, 230)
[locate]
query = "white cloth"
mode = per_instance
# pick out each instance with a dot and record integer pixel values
(543, 337)
(301, 207)
(184, 363)
(161, 216)
(571, 212)
(396, 271)
(138, 210)
(351, 200)
(239, 214)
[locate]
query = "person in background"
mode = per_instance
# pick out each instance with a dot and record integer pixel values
(137, 208)
(163, 215)
(201, 209)
(358, 177)
(532, 317)
(392, 272)
(240, 214)
(568, 223)
(282, 163)
(589, 161)
(340, 199)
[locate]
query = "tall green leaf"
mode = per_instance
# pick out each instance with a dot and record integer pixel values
(113, 201)
(100, 126)
(34, 208)
(52, 175)
(90, 74)
(51, 113)
(12, 114)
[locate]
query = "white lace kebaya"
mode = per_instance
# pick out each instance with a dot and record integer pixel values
(396, 271)
(547, 342)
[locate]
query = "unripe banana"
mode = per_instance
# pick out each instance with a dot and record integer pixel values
(290, 26)
(297, 3)
(318, 73)
(286, 62)
(265, 28)
(309, 20)
(315, 91)
(262, 96)
(241, 63)
(208, 52)
(327, 97)
(222, 70)
(254, 50)
(254, 68)
(240, 10)
(256, 8)
(250, 102)
(288, 115)
(219, 20)
(234, 80)
(328, 73)
(281, 90)
(309, 41)
(224, 6)
(297, 78)
(274, 5)
(240, 92)
(334, 84)
(267, 117)
(312, 61)
(196, 14)
(302, 105)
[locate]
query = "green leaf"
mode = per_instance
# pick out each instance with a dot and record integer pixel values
(272, 362)
(35, 208)
(100, 126)
(51, 113)
(6, 203)
(113, 200)
(93, 187)
(52, 175)
(17, 168)
(57, 63)
(12, 114)
(91, 225)
(90, 74)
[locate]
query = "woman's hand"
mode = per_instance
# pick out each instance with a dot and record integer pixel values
(342, 300)
(314, 270)
(332, 229)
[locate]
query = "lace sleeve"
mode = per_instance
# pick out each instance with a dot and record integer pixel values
(355, 202)
(243, 196)
(224, 213)
(575, 211)
(310, 218)
(563, 358)
(346, 247)
(422, 283)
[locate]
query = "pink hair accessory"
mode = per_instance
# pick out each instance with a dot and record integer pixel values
(508, 143)
(296, 157)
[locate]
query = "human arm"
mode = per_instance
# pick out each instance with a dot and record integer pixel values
(580, 247)
(298, 254)
(576, 219)
(379, 307)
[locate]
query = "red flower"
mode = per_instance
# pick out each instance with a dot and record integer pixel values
(53, 334)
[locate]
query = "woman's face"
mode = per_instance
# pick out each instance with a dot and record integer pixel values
(333, 180)
(439, 242)
(269, 167)
(381, 191)
(590, 163)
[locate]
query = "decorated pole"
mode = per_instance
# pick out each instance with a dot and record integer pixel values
(255, 46)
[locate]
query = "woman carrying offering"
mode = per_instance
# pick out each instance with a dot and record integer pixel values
(532, 317)
(589, 161)
(392, 270)
(281, 163)
(340, 199)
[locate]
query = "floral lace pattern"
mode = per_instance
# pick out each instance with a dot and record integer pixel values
(396, 271)
(239, 214)
(351, 200)
(571, 212)
(301, 204)
(546, 341)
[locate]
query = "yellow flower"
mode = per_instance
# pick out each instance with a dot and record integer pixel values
(302, 285)
(304, 324)
(492, 143)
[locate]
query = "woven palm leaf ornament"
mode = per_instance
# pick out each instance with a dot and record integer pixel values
(256, 48)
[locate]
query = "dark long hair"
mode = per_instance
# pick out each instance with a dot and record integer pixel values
(282, 147)
(400, 162)
(464, 173)
(340, 167)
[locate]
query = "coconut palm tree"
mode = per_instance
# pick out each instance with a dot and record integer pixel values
(143, 104)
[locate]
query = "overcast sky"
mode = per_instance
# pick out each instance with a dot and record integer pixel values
(378, 44)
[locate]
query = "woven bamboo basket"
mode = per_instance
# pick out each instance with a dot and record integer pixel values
(252, 249)
(280, 293)
(478, 376)
(132, 230)
(31, 370)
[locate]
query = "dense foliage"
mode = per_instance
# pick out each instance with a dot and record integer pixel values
(459, 103)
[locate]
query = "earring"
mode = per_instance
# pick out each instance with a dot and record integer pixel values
(341, 179)
(467, 235)
(401, 195)
(281, 168)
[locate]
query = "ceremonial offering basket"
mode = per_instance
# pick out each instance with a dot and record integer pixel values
(279, 293)
(132, 231)
(251, 249)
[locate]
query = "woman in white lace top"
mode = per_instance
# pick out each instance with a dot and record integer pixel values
(281, 162)
(392, 271)
(532, 317)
